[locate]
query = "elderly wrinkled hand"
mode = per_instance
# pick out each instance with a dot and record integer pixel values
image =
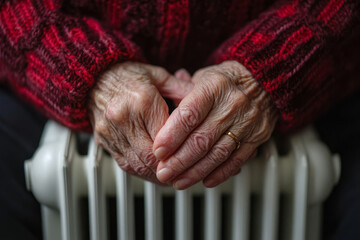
(193, 145)
(127, 110)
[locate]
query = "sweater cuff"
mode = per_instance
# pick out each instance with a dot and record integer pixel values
(59, 61)
(285, 51)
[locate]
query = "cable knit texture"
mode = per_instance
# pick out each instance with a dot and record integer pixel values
(304, 53)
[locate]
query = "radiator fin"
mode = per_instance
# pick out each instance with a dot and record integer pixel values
(245, 207)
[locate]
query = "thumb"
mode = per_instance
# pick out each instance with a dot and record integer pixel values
(182, 74)
(170, 86)
(176, 89)
(185, 76)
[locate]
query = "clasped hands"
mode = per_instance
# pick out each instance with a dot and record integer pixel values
(131, 121)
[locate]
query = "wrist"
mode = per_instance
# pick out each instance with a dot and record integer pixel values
(100, 95)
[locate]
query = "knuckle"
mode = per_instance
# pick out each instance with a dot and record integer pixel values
(221, 79)
(101, 127)
(252, 116)
(212, 73)
(200, 143)
(218, 80)
(199, 73)
(262, 132)
(230, 64)
(143, 99)
(149, 159)
(123, 164)
(160, 73)
(220, 153)
(133, 68)
(136, 166)
(143, 171)
(117, 113)
(231, 167)
(188, 118)
(214, 78)
(265, 131)
(237, 162)
(127, 168)
(226, 172)
(177, 164)
(248, 121)
(200, 172)
(240, 100)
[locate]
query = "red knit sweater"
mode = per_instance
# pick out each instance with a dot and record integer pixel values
(304, 53)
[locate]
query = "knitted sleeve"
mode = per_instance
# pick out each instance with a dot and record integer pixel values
(51, 59)
(297, 52)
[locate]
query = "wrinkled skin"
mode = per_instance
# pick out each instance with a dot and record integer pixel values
(127, 111)
(193, 146)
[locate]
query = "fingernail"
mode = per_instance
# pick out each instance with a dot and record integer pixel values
(164, 174)
(160, 153)
(182, 183)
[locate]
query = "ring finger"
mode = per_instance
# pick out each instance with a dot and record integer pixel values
(230, 167)
(198, 145)
(219, 153)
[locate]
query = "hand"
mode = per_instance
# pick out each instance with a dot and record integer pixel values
(193, 145)
(127, 110)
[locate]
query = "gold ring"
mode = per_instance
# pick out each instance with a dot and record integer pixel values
(237, 141)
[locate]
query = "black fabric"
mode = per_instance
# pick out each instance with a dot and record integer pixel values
(20, 131)
(340, 129)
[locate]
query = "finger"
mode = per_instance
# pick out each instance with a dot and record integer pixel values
(220, 152)
(175, 89)
(134, 166)
(183, 120)
(142, 147)
(134, 133)
(155, 115)
(183, 75)
(121, 150)
(197, 145)
(201, 141)
(135, 153)
(107, 136)
(168, 85)
(254, 154)
(231, 166)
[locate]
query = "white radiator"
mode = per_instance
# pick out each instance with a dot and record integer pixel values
(276, 196)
